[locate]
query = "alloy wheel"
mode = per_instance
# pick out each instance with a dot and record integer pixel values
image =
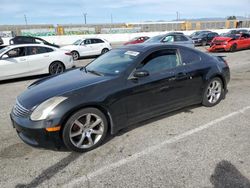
(86, 131)
(56, 68)
(214, 91)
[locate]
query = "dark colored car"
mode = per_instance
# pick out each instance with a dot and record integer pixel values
(122, 87)
(1, 41)
(137, 40)
(204, 39)
(30, 40)
(196, 33)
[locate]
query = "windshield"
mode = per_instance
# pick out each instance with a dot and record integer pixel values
(77, 42)
(154, 39)
(195, 33)
(114, 62)
(4, 49)
(234, 36)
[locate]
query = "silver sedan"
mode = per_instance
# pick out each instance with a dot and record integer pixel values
(172, 38)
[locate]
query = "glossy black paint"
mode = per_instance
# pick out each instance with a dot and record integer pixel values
(29, 40)
(123, 98)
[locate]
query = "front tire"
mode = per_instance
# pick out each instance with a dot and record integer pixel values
(213, 92)
(233, 48)
(85, 130)
(56, 67)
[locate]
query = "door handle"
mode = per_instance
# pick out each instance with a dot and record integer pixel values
(22, 59)
(46, 56)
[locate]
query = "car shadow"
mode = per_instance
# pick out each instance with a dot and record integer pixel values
(188, 109)
(227, 175)
(14, 80)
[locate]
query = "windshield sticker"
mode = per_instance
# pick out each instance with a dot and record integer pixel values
(132, 53)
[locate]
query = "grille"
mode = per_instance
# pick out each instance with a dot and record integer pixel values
(20, 111)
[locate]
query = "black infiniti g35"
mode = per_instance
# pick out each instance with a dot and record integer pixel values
(122, 87)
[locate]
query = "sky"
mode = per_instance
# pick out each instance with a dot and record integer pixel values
(122, 11)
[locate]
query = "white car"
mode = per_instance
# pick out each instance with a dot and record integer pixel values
(88, 47)
(33, 59)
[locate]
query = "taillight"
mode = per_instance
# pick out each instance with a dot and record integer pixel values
(68, 53)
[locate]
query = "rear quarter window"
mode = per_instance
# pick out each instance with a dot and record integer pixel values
(189, 56)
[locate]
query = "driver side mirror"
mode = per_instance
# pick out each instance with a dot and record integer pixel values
(5, 56)
(141, 73)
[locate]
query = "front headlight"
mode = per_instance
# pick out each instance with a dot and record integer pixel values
(42, 111)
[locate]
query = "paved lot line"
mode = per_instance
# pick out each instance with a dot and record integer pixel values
(152, 149)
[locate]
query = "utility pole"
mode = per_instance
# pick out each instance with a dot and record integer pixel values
(177, 15)
(25, 19)
(85, 18)
(111, 18)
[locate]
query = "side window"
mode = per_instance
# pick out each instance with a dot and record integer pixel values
(49, 50)
(39, 41)
(87, 41)
(168, 38)
(189, 57)
(179, 38)
(16, 52)
(34, 50)
(161, 60)
(93, 41)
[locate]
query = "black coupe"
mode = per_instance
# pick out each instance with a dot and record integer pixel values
(122, 87)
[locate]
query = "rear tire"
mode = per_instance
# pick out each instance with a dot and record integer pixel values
(85, 130)
(56, 67)
(105, 50)
(233, 48)
(213, 92)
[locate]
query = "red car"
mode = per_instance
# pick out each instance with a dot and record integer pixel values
(230, 42)
(137, 40)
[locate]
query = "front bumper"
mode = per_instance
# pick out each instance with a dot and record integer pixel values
(35, 134)
(218, 47)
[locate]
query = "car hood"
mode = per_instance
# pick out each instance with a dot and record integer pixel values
(222, 39)
(58, 85)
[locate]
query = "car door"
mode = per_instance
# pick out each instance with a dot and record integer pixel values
(183, 41)
(85, 48)
(13, 64)
(244, 41)
(97, 45)
(38, 59)
(161, 90)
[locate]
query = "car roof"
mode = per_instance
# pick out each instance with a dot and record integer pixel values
(148, 46)
(27, 45)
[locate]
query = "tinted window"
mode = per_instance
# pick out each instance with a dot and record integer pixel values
(24, 39)
(155, 39)
(189, 56)
(49, 50)
(160, 61)
(212, 35)
(96, 41)
(87, 41)
(180, 38)
(16, 52)
(33, 50)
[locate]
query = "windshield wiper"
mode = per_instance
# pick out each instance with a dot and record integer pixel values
(95, 72)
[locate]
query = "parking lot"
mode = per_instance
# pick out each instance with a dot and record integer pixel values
(192, 147)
